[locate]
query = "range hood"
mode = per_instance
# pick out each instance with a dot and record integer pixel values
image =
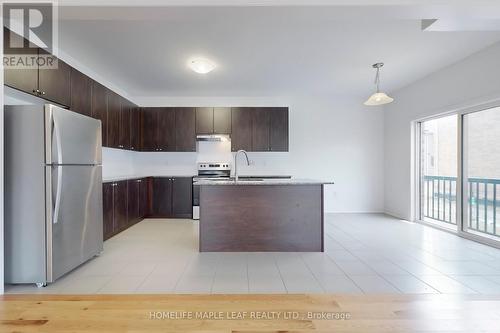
(213, 138)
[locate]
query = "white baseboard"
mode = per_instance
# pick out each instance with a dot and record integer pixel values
(357, 212)
(396, 215)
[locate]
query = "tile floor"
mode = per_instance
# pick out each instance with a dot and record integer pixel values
(365, 253)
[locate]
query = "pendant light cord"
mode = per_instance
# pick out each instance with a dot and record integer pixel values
(377, 79)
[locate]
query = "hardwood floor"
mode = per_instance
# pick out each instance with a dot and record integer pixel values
(132, 313)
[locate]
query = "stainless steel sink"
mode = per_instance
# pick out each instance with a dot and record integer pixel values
(250, 179)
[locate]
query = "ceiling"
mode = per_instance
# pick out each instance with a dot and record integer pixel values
(261, 51)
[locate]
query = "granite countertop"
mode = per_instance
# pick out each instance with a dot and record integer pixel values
(263, 181)
(129, 177)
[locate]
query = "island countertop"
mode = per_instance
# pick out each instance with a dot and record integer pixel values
(264, 181)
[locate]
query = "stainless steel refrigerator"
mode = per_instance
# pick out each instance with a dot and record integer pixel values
(53, 192)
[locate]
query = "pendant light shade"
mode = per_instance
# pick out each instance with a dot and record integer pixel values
(378, 98)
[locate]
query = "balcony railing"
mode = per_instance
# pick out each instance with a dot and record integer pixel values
(439, 199)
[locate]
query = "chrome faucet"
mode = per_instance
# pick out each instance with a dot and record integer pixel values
(236, 163)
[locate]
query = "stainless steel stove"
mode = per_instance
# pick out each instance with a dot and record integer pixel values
(208, 171)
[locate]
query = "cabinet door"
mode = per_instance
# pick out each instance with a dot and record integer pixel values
(107, 207)
(81, 93)
(162, 197)
(135, 129)
(149, 129)
(166, 129)
(185, 129)
(279, 129)
(23, 79)
(124, 130)
(143, 198)
(260, 129)
(133, 201)
(114, 110)
(120, 206)
(241, 125)
(100, 109)
(204, 120)
(182, 197)
(222, 120)
(54, 84)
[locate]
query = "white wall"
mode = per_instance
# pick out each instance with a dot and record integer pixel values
(331, 138)
(474, 80)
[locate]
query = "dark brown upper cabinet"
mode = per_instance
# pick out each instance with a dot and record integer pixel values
(158, 129)
(81, 93)
(213, 120)
(241, 124)
(54, 84)
(259, 129)
(278, 139)
(100, 109)
(135, 129)
(185, 129)
(114, 119)
(149, 129)
(166, 128)
(124, 128)
(204, 120)
(22, 79)
(222, 120)
(261, 118)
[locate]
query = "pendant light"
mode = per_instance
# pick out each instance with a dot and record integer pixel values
(378, 98)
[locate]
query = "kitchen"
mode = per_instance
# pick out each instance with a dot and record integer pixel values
(127, 200)
(227, 162)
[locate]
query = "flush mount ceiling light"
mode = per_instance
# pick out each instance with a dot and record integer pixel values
(201, 65)
(378, 98)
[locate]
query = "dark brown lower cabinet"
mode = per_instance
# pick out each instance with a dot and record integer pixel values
(182, 197)
(161, 197)
(133, 201)
(120, 205)
(127, 202)
(144, 197)
(107, 207)
(171, 197)
(115, 208)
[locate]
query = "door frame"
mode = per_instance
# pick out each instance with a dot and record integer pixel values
(461, 202)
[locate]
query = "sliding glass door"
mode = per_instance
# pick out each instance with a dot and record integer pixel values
(481, 172)
(438, 171)
(459, 172)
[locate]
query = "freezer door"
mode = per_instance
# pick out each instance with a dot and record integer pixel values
(74, 217)
(71, 138)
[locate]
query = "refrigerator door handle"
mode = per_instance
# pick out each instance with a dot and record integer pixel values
(57, 135)
(57, 204)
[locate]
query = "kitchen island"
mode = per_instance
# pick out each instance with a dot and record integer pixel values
(282, 215)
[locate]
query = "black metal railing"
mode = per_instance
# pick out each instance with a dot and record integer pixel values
(439, 194)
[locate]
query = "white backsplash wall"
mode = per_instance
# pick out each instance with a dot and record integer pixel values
(165, 164)
(117, 163)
